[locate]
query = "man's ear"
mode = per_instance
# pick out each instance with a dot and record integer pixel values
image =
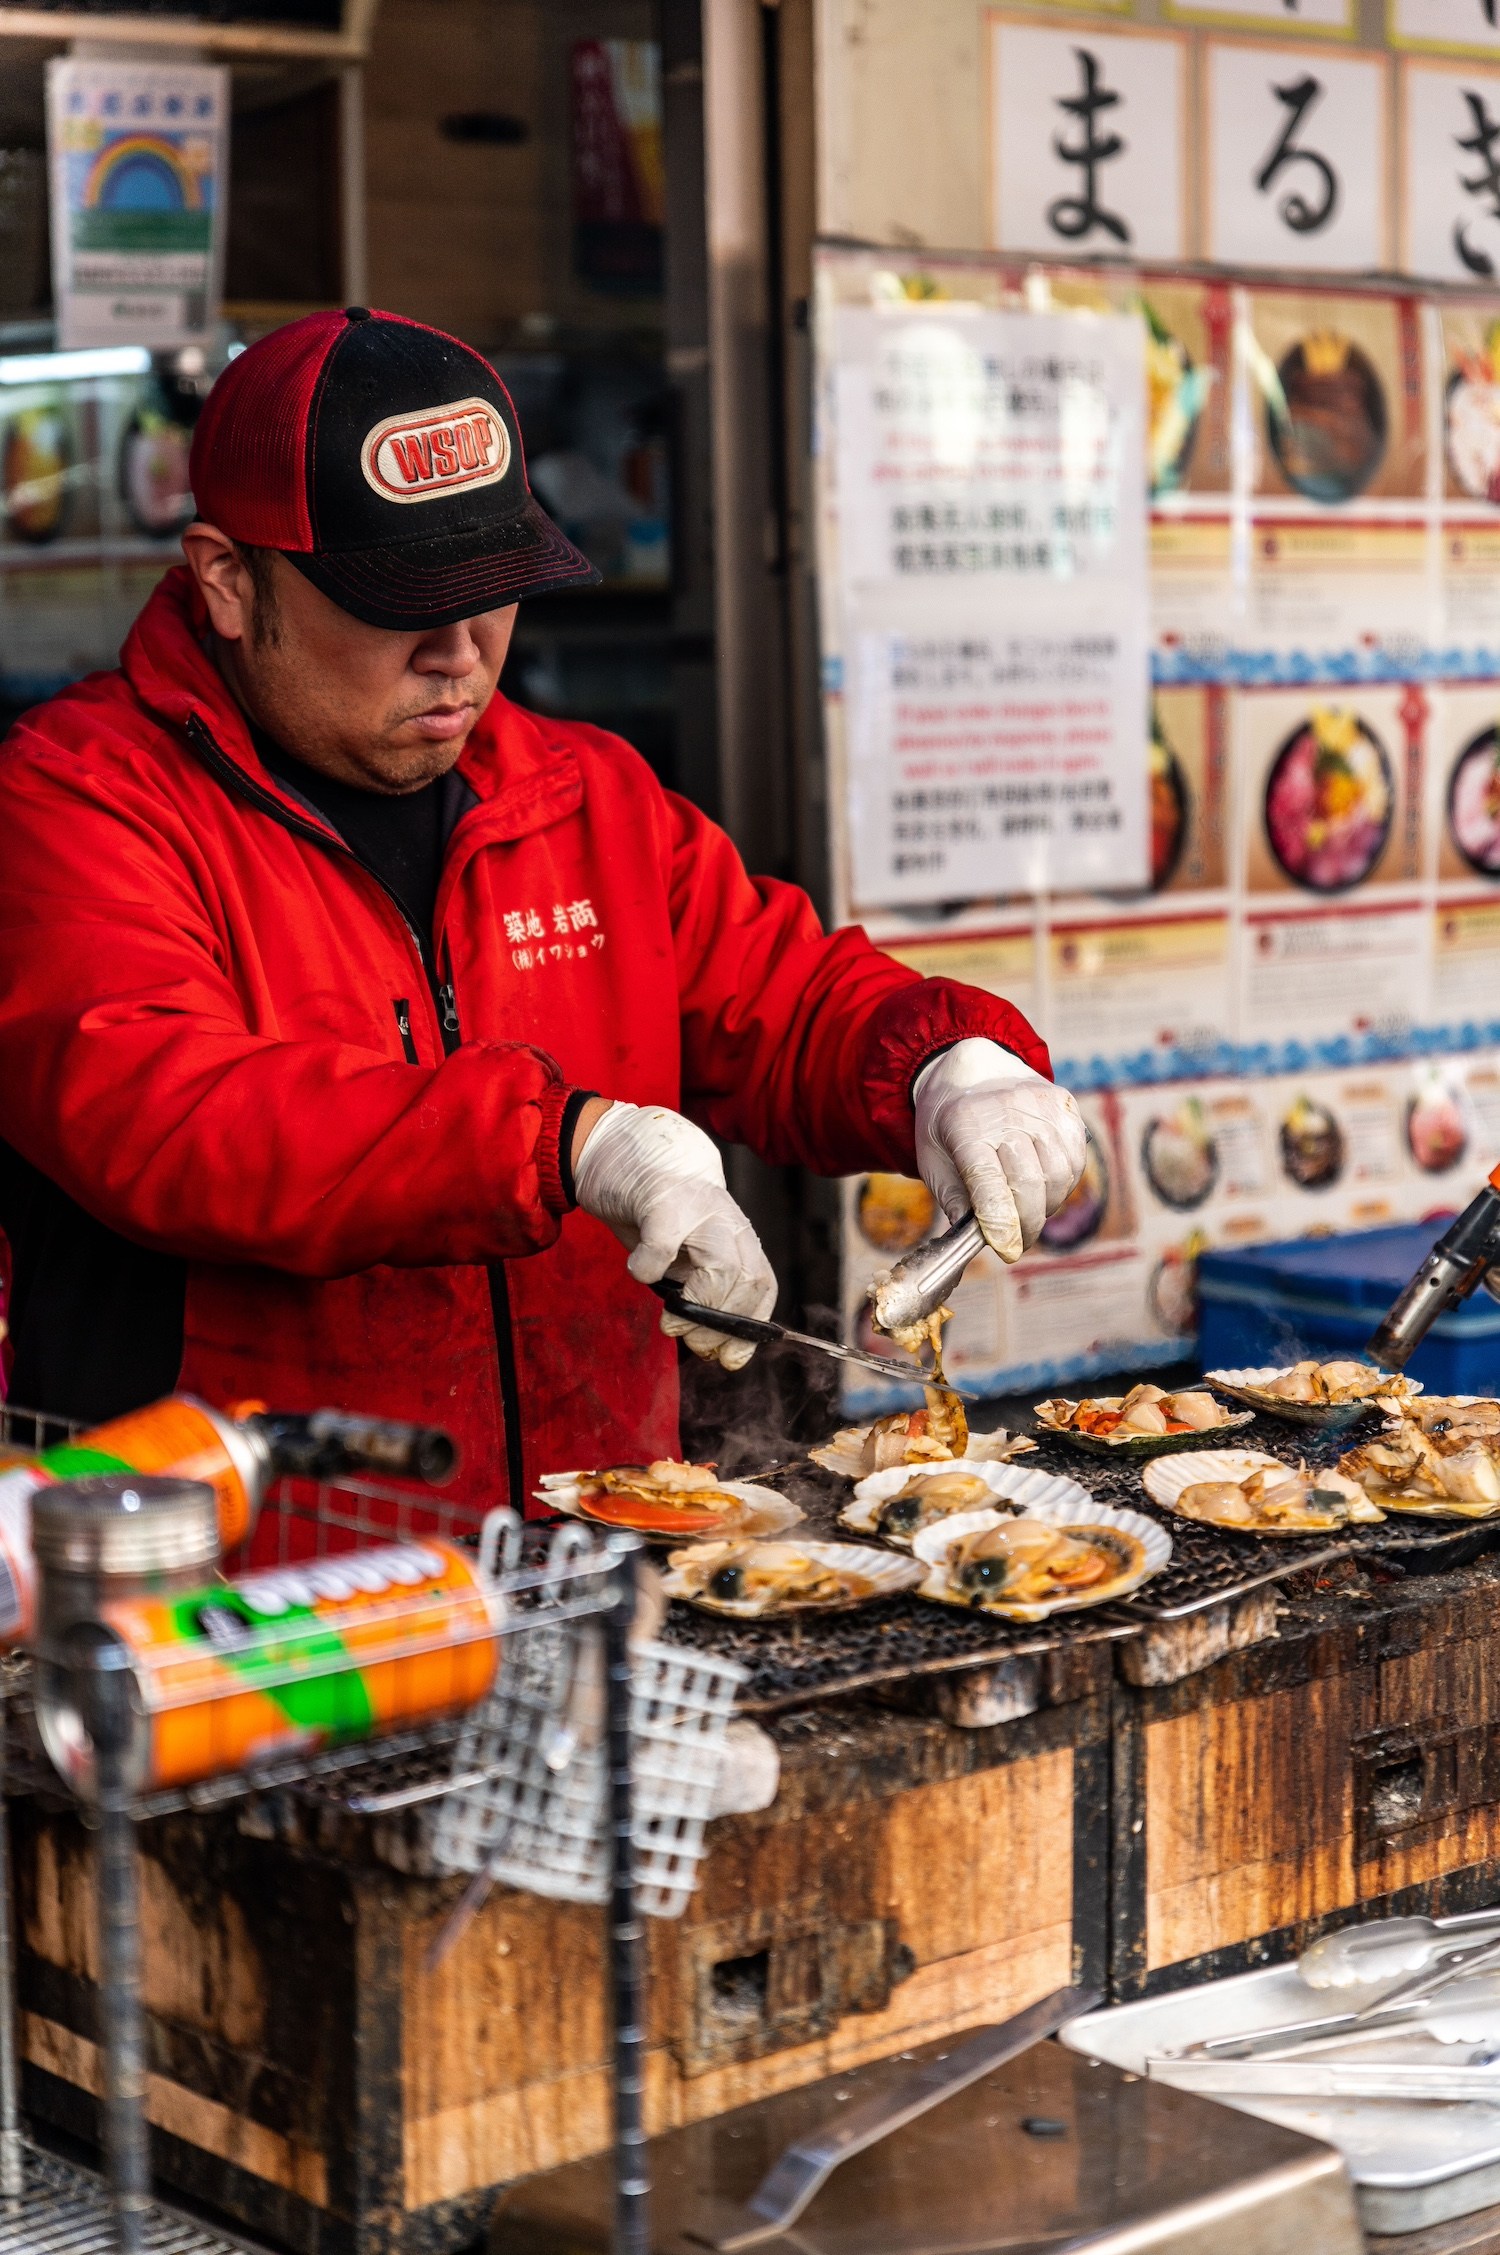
(226, 586)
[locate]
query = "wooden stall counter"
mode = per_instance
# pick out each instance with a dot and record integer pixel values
(1347, 1765)
(314, 2080)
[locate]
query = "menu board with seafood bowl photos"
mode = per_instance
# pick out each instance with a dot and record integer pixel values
(1173, 1171)
(1292, 1025)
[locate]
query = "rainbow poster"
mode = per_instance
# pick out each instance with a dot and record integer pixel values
(137, 154)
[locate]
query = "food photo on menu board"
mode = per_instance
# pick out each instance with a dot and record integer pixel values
(1188, 332)
(1471, 402)
(1474, 802)
(1438, 1120)
(1333, 788)
(1466, 779)
(1339, 384)
(1172, 1285)
(1179, 1156)
(1187, 763)
(1311, 1142)
(1329, 801)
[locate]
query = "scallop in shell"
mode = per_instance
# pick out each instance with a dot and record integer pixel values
(665, 1502)
(1315, 1393)
(1249, 1493)
(1028, 1568)
(1145, 1422)
(1406, 1470)
(938, 1433)
(750, 1580)
(896, 1505)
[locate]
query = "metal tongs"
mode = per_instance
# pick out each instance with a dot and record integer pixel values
(1394, 2009)
(766, 1334)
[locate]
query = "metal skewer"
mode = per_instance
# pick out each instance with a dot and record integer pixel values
(12, 2164)
(632, 2232)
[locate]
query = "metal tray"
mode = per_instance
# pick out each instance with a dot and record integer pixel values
(1413, 2163)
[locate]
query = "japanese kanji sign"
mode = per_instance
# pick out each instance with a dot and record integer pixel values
(1446, 26)
(1451, 184)
(1295, 158)
(1325, 16)
(991, 484)
(1088, 140)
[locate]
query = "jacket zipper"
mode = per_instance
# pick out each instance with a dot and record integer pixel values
(402, 1009)
(445, 1002)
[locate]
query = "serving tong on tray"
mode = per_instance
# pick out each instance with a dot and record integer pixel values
(1395, 2008)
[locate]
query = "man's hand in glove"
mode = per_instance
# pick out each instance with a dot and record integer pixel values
(659, 1183)
(995, 1136)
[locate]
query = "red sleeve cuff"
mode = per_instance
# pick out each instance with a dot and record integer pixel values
(916, 1024)
(549, 1156)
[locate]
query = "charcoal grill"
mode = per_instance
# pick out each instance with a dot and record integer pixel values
(792, 1663)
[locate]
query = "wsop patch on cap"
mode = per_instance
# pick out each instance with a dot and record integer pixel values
(418, 457)
(383, 459)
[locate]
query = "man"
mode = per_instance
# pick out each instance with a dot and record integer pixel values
(350, 1015)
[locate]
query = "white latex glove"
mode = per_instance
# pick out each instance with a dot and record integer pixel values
(996, 1136)
(659, 1183)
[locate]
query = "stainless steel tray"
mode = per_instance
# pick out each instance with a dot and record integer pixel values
(1412, 2162)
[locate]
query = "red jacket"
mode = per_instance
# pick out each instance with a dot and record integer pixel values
(199, 1042)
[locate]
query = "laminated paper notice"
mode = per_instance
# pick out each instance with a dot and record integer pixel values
(138, 153)
(992, 586)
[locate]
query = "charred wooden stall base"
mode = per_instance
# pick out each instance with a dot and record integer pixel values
(313, 2081)
(1349, 1765)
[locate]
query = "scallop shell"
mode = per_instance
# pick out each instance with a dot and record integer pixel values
(843, 1453)
(766, 1512)
(1248, 1386)
(933, 1544)
(887, 1574)
(1034, 1489)
(1134, 1447)
(1433, 1507)
(1164, 1483)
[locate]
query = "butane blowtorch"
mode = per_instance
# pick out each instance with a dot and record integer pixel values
(1460, 1259)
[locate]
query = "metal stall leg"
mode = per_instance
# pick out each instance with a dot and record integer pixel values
(12, 2160)
(123, 2028)
(632, 2232)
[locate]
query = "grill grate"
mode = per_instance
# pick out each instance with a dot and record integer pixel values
(790, 1663)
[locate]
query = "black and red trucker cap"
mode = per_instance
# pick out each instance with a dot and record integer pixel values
(384, 460)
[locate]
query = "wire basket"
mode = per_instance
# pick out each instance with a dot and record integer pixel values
(531, 1808)
(65, 2210)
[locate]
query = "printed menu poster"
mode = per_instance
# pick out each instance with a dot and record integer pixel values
(137, 155)
(1470, 336)
(991, 599)
(1339, 553)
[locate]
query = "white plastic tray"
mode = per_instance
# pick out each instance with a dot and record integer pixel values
(1412, 2163)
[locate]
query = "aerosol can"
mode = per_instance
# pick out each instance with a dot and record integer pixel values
(237, 1453)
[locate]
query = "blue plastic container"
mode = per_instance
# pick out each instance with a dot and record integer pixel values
(1325, 1295)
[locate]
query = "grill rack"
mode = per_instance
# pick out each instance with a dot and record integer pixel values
(64, 2210)
(584, 1576)
(791, 1663)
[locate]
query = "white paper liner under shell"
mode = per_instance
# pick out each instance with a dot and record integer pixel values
(844, 1452)
(768, 1514)
(1244, 1386)
(1034, 1489)
(888, 1574)
(1165, 1480)
(933, 1544)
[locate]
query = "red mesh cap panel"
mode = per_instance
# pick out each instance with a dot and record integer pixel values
(249, 459)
